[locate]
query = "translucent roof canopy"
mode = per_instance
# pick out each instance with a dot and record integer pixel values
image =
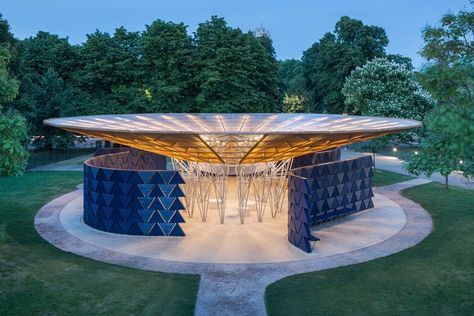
(232, 138)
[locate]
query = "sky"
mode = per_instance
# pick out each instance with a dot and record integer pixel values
(294, 25)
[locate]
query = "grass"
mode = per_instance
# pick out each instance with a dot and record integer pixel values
(435, 277)
(382, 177)
(37, 278)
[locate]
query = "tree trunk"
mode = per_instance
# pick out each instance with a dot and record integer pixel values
(446, 181)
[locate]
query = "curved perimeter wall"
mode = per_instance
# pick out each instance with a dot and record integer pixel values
(132, 193)
(322, 192)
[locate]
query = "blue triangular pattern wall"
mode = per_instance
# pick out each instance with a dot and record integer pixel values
(132, 201)
(326, 191)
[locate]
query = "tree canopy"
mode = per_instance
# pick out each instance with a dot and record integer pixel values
(235, 71)
(8, 85)
(161, 69)
(107, 78)
(449, 145)
(13, 130)
(168, 67)
(328, 62)
(386, 88)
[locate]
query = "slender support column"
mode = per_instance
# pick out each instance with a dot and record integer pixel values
(267, 180)
(219, 176)
(262, 182)
(245, 176)
(279, 173)
(185, 168)
(202, 188)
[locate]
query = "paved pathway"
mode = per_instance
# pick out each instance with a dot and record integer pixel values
(73, 164)
(230, 289)
(395, 164)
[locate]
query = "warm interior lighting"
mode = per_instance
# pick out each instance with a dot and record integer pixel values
(233, 138)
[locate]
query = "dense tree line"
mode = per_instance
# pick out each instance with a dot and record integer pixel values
(161, 69)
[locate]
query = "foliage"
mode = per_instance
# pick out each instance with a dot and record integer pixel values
(449, 145)
(46, 64)
(291, 81)
(235, 71)
(385, 88)
(328, 62)
(8, 85)
(13, 130)
(168, 67)
(52, 98)
(6, 37)
(13, 140)
(295, 104)
(449, 47)
(108, 73)
(162, 69)
(290, 73)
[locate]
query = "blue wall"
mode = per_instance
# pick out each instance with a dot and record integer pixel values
(322, 192)
(132, 202)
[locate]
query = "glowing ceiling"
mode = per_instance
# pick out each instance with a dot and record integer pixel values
(232, 138)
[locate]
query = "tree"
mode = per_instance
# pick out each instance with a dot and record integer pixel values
(52, 98)
(291, 79)
(109, 75)
(40, 59)
(441, 150)
(168, 67)
(13, 131)
(6, 37)
(295, 104)
(8, 85)
(13, 140)
(327, 63)
(449, 145)
(235, 72)
(386, 88)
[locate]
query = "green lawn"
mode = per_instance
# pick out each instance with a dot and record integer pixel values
(435, 277)
(382, 177)
(36, 278)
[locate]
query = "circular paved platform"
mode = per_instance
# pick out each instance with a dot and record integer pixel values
(224, 286)
(252, 242)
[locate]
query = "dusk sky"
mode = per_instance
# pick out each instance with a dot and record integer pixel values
(294, 25)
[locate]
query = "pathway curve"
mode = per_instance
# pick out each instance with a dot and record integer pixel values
(230, 289)
(73, 164)
(394, 164)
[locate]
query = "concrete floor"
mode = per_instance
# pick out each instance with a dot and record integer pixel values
(252, 242)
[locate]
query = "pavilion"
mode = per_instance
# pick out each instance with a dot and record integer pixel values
(247, 165)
